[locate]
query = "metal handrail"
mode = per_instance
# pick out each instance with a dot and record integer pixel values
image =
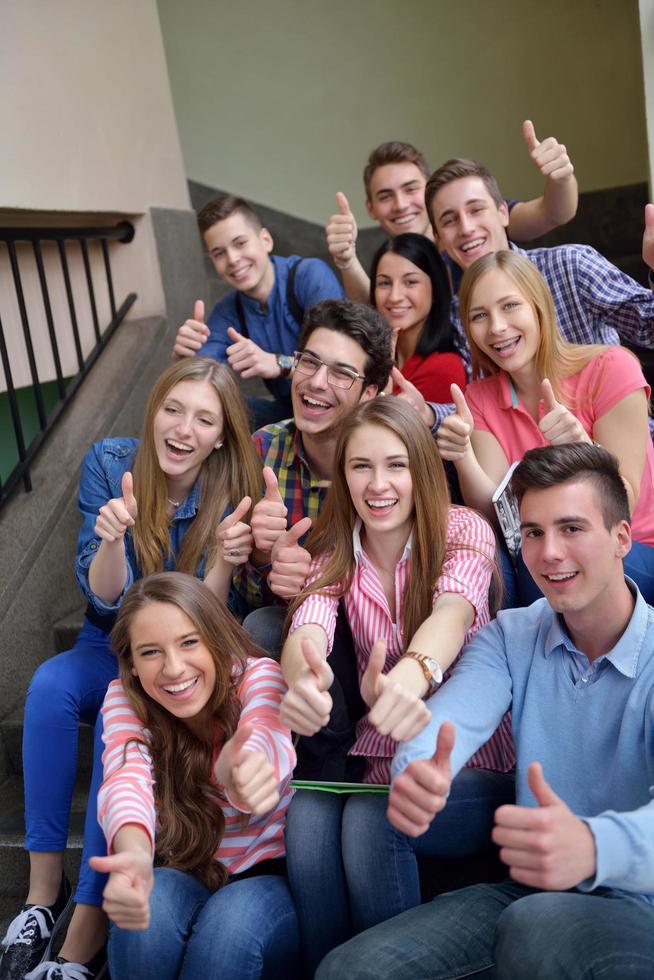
(122, 232)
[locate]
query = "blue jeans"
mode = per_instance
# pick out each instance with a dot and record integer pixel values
(65, 690)
(506, 932)
(349, 869)
(243, 931)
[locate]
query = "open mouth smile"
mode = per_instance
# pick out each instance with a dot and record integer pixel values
(178, 449)
(182, 688)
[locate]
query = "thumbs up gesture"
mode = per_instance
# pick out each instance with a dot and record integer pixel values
(248, 359)
(395, 709)
(234, 538)
(307, 705)
(453, 436)
(126, 897)
(545, 846)
(249, 779)
(550, 156)
(192, 335)
(420, 792)
(269, 514)
(291, 562)
(409, 393)
(341, 234)
(558, 424)
(118, 514)
(648, 236)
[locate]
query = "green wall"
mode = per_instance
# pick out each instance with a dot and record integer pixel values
(282, 101)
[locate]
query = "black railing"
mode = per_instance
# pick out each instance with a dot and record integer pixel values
(68, 241)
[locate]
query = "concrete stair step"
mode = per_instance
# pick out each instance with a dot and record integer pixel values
(66, 629)
(11, 734)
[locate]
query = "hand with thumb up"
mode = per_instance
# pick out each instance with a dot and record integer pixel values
(192, 335)
(420, 791)
(249, 779)
(395, 709)
(453, 436)
(291, 562)
(341, 234)
(269, 514)
(545, 846)
(558, 424)
(118, 514)
(233, 536)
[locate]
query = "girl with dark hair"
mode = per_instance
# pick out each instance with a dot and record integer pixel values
(176, 499)
(197, 771)
(410, 287)
(414, 575)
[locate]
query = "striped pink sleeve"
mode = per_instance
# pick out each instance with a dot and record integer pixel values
(260, 692)
(469, 562)
(125, 796)
(319, 609)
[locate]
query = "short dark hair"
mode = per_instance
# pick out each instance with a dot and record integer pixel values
(393, 152)
(455, 169)
(224, 207)
(548, 466)
(360, 322)
(438, 333)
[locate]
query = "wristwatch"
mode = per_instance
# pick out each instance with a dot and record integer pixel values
(285, 362)
(430, 668)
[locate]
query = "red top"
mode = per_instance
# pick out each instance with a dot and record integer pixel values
(433, 375)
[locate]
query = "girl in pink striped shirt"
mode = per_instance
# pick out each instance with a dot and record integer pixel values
(414, 575)
(197, 770)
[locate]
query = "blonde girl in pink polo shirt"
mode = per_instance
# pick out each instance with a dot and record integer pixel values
(538, 390)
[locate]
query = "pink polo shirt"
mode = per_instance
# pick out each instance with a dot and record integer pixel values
(607, 379)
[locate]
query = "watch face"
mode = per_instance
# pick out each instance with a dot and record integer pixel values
(285, 362)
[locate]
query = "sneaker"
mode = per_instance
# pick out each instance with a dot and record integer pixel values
(61, 969)
(30, 935)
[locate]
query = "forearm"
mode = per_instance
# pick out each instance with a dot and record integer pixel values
(293, 662)
(442, 634)
(557, 206)
(477, 487)
(132, 837)
(219, 578)
(356, 282)
(108, 572)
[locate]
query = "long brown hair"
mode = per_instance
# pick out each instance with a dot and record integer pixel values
(228, 474)
(556, 358)
(332, 534)
(190, 821)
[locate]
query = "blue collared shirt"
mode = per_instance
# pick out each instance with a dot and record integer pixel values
(595, 740)
(273, 327)
(595, 302)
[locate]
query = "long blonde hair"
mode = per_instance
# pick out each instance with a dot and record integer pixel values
(190, 821)
(228, 474)
(332, 534)
(556, 358)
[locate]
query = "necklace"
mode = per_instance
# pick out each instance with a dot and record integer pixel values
(175, 503)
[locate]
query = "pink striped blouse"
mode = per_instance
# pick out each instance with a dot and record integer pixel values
(467, 571)
(126, 795)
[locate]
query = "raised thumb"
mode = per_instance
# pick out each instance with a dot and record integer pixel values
(539, 786)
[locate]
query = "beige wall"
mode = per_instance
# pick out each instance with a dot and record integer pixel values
(646, 8)
(283, 101)
(88, 127)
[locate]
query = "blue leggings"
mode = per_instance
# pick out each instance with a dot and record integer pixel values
(65, 690)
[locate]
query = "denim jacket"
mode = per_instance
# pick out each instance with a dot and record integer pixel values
(102, 471)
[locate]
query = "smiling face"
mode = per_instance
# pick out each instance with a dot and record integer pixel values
(467, 221)
(503, 324)
(379, 480)
(187, 426)
(241, 255)
(318, 406)
(397, 199)
(573, 558)
(172, 662)
(403, 292)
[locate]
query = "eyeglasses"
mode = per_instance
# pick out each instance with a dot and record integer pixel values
(339, 377)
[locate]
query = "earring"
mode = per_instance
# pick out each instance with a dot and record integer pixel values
(218, 445)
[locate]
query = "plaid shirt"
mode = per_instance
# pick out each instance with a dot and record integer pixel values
(595, 302)
(303, 493)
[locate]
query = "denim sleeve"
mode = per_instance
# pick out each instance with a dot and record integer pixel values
(316, 281)
(475, 698)
(95, 489)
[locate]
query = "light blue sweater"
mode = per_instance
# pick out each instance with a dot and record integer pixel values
(594, 738)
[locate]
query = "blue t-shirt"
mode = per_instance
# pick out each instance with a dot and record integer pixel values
(274, 328)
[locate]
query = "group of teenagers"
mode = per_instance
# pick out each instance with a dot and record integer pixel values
(329, 599)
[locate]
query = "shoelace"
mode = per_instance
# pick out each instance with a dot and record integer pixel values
(58, 971)
(21, 929)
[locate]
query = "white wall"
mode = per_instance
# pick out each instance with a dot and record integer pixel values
(283, 101)
(89, 131)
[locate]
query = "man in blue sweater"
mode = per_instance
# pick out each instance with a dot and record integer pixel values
(255, 328)
(577, 670)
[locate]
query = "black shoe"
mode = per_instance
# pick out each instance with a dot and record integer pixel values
(30, 935)
(61, 969)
